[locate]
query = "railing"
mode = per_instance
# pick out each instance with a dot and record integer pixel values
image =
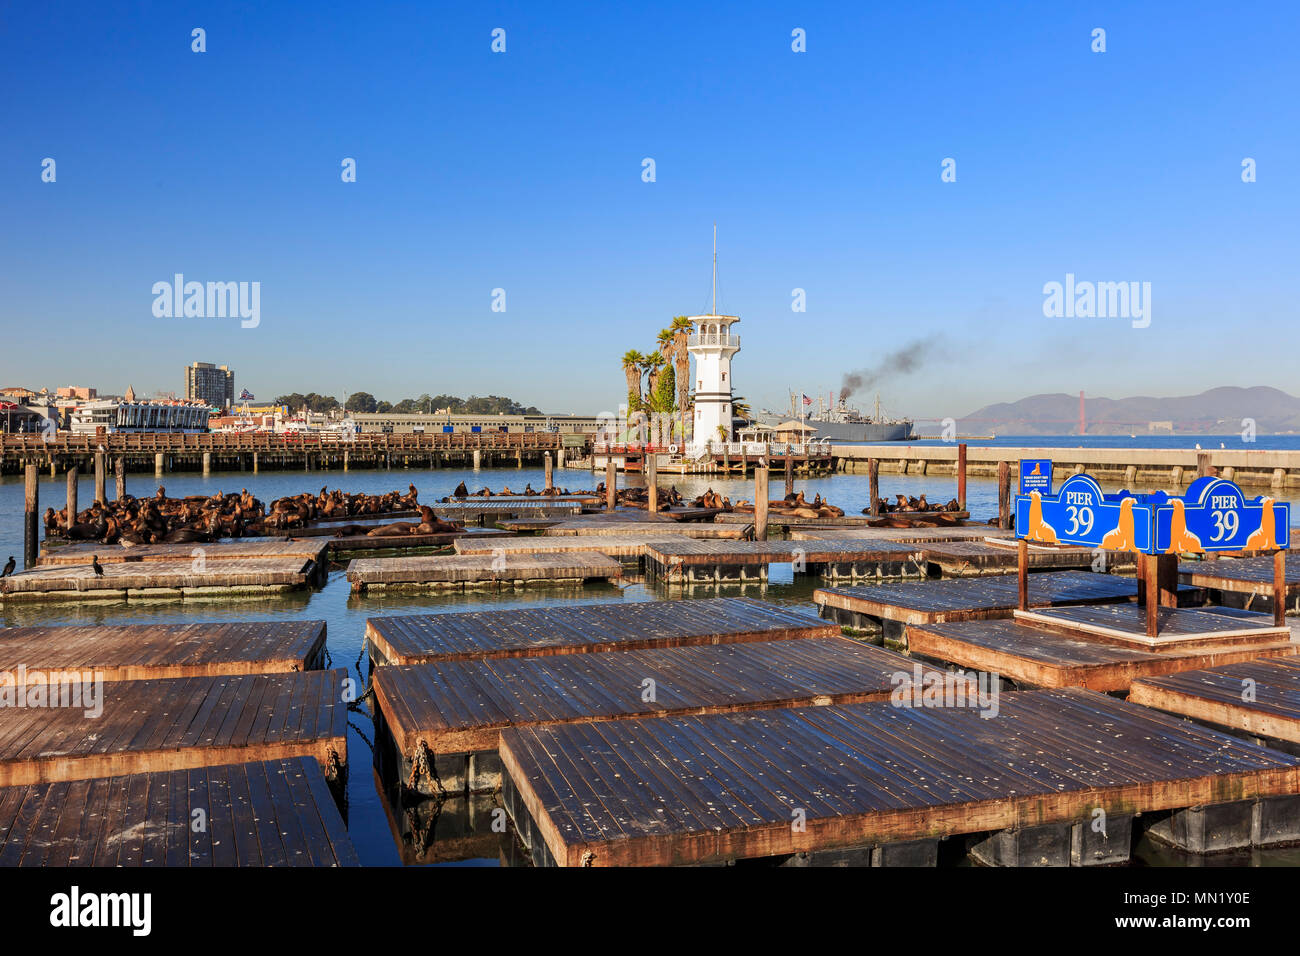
(722, 339)
(746, 449)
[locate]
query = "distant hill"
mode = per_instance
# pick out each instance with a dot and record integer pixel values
(1217, 411)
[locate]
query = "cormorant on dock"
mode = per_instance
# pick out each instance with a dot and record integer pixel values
(99, 568)
(9, 567)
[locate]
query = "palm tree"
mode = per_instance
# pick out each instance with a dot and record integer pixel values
(653, 365)
(632, 367)
(681, 329)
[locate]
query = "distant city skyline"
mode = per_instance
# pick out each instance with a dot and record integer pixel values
(518, 179)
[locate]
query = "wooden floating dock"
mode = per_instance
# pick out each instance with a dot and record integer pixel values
(871, 778)
(978, 532)
(398, 545)
(265, 813)
(480, 571)
(790, 522)
(1033, 657)
(583, 628)
(160, 580)
(1261, 698)
(445, 718)
(483, 511)
(623, 547)
(174, 724)
(80, 554)
(151, 651)
(645, 529)
(1242, 582)
(1178, 627)
(954, 559)
(692, 561)
(891, 606)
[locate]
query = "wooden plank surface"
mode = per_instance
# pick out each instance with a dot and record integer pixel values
(151, 651)
(1036, 657)
(469, 569)
(1259, 697)
(975, 598)
(702, 789)
(1244, 575)
(461, 706)
(972, 557)
(172, 724)
(1125, 624)
(84, 824)
(616, 546)
(80, 581)
(660, 530)
(978, 532)
(694, 552)
(81, 554)
(582, 628)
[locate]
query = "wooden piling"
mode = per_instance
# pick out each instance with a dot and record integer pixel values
(100, 468)
(789, 474)
(31, 506)
(961, 476)
(611, 483)
(652, 476)
(119, 474)
(1203, 467)
(73, 474)
(550, 471)
(760, 502)
(1004, 496)
(873, 485)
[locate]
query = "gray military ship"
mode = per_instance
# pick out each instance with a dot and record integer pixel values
(843, 423)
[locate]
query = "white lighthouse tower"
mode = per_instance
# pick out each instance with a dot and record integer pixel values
(712, 345)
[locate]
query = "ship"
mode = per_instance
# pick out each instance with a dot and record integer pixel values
(843, 423)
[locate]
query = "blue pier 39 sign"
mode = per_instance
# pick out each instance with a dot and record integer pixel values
(1036, 475)
(1214, 515)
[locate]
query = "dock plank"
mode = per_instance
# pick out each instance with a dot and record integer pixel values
(149, 651)
(158, 579)
(474, 570)
(81, 554)
(1245, 581)
(147, 816)
(584, 628)
(1125, 624)
(164, 724)
(1219, 696)
(1048, 756)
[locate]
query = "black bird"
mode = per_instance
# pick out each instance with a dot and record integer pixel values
(9, 568)
(94, 563)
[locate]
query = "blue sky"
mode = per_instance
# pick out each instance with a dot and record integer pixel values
(522, 171)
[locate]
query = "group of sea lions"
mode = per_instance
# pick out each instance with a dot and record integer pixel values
(795, 506)
(528, 492)
(902, 503)
(429, 523)
(161, 520)
(294, 511)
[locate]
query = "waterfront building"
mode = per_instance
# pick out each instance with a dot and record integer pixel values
(212, 384)
(129, 415)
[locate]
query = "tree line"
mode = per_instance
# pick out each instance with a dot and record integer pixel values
(366, 402)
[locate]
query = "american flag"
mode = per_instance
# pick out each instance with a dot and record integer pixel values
(245, 396)
(807, 400)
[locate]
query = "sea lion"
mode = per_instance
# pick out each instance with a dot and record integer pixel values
(1180, 539)
(461, 491)
(1039, 530)
(1122, 538)
(1264, 538)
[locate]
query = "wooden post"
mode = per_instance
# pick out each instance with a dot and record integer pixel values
(73, 475)
(873, 485)
(1203, 468)
(1004, 495)
(101, 466)
(1279, 588)
(652, 476)
(31, 505)
(611, 483)
(1022, 574)
(760, 502)
(119, 473)
(789, 474)
(550, 473)
(961, 476)
(1151, 573)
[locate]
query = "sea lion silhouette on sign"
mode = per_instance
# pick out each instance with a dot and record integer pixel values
(1180, 539)
(1124, 535)
(1264, 538)
(1039, 530)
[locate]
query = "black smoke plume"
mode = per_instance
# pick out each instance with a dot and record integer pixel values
(904, 361)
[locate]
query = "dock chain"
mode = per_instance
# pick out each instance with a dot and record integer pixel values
(423, 764)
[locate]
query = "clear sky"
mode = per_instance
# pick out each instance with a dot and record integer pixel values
(522, 171)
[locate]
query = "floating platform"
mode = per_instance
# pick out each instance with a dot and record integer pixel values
(976, 532)
(623, 547)
(647, 529)
(152, 651)
(1260, 698)
(956, 559)
(891, 606)
(445, 718)
(1033, 657)
(479, 571)
(1177, 627)
(266, 813)
(176, 724)
(845, 521)
(226, 550)
(879, 783)
(1242, 582)
(583, 628)
(690, 561)
(486, 511)
(161, 580)
(399, 544)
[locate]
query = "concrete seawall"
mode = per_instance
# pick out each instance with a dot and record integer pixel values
(1156, 467)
